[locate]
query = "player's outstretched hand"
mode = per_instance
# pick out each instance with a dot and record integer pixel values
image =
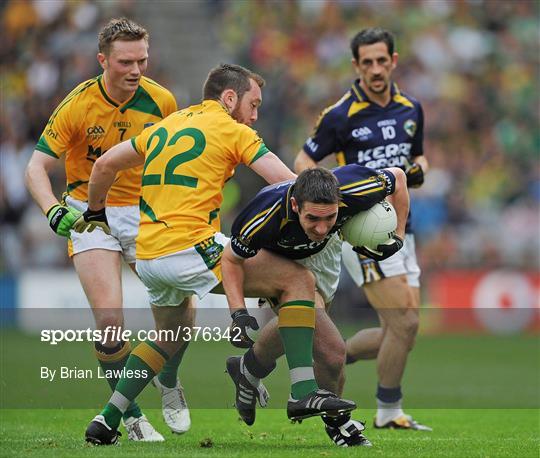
(383, 251)
(242, 321)
(89, 220)
(415, 175)
(61, 218)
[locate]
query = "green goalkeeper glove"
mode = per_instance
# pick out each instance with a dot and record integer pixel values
(61, 218)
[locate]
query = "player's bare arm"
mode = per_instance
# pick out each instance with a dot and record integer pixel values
(61, 217)
(272, 169)
(303, 162)
(232, 268)
(120, 157)
(38, 182)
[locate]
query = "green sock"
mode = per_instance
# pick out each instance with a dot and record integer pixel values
(296, 325)
(169, 373)
(142, 365)
(112, 361)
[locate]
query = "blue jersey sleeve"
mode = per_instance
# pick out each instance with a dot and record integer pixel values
(325, 138)
(362, 187)
(257, 225)
(390, 180)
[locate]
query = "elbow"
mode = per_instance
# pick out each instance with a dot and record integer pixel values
(298, 165)
(401, 178)
(104, 167)
(30, 173)
(303, 162)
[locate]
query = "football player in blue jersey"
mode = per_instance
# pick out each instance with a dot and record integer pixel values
(301, 220)
(376, 125)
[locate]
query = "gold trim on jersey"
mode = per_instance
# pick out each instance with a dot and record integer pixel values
(328, 108)
(362, 188)
(399, 98)
(256, 223)
(356, 107)
(357, 92)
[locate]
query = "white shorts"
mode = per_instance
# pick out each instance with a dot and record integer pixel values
(365, 270)
(124, 224)
(172, 278)
(326, 266)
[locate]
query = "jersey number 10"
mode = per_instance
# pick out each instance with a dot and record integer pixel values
(388, 132)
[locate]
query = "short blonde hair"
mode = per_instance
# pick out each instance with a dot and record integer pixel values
(121, 29)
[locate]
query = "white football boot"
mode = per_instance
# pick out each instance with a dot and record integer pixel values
(174, 407)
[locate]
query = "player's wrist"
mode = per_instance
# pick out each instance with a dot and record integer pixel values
(238, 312)
(51, 208)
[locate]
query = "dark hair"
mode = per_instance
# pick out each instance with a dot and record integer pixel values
(370, 37)
(317, 185)
(122, 29)
(229, 76)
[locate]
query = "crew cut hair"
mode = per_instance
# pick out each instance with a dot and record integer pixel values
(120, 29)
(318, 186)
(229, 76)
(370, 37)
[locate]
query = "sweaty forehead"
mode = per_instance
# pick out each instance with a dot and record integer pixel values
(373, 51)
(129, 50)
(319, 210)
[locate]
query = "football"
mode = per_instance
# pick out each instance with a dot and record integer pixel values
(371, 227)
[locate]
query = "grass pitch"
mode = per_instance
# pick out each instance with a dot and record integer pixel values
(216, 432)
(480, 394)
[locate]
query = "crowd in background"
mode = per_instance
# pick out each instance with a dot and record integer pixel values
(474, 65)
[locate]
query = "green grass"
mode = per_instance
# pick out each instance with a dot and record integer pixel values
(480, 394)
(459, 433)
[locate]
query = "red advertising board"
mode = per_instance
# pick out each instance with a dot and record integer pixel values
(498, 301)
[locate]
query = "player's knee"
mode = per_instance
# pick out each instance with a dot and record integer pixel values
(411, 328)
(109, 319)
(407, 327)
(299, 281)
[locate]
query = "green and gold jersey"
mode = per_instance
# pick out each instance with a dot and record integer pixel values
(188, 158)
(89, 122)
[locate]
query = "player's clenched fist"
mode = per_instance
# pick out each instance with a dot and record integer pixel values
(415, 175)
(383, 251)
(61, 218)
(242, 321)
(89, 220)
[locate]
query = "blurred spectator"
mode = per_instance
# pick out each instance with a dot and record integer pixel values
(473, 64)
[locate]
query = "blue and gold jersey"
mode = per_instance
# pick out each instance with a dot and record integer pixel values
(359, 131)
(269, 222)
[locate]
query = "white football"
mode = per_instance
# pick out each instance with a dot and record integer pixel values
(371, 227)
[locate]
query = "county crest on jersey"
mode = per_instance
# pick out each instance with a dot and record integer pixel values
(359, 131)
(88, 122)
